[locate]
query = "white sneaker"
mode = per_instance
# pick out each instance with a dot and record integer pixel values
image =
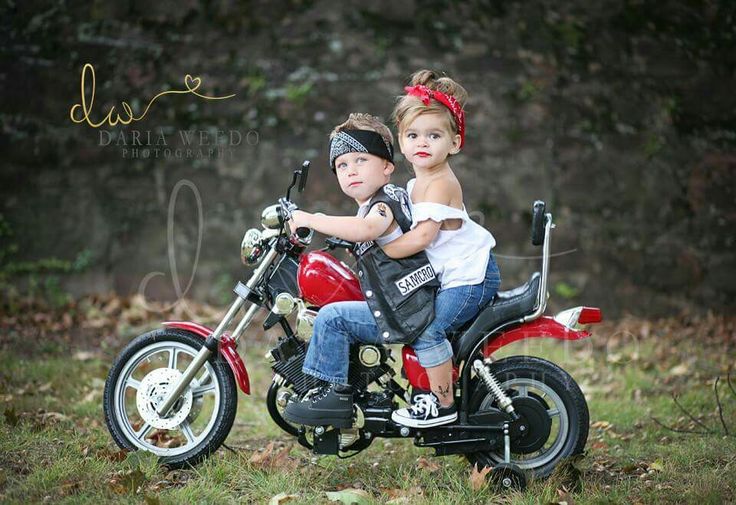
(425, 412)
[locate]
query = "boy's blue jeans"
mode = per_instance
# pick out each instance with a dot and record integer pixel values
(340, 324)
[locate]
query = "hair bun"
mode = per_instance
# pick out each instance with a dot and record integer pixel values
(439, 82)
(424, 77)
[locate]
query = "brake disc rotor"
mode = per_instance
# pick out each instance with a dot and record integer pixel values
(152, 392)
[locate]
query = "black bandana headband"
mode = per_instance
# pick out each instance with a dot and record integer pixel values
(359, 141)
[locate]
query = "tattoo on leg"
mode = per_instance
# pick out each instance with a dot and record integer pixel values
(444, 391)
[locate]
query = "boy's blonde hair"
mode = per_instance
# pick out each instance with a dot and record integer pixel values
(409, 107)
(362, 121)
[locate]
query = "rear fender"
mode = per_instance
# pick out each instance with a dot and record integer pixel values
(227, 348)
(545, 326)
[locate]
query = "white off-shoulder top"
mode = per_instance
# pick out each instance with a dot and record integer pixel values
(459, 257)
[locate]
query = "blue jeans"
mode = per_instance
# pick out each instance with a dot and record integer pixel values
(340, 324)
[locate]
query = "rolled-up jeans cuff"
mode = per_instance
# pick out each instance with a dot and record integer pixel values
(435, 355)
(326, 378)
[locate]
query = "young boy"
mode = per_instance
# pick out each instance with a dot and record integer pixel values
(361, 155)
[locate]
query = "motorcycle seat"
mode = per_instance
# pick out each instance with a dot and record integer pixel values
(506, 305)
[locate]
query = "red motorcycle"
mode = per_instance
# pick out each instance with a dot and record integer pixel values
(173, 391)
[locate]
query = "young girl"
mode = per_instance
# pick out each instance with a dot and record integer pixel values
(431, 125)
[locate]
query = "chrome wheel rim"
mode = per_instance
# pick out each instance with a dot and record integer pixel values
(556, 411)
(141, 384)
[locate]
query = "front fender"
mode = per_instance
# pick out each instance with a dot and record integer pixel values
(227, 349)
(545, 326)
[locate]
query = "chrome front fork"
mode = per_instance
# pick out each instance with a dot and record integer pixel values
(212, 342)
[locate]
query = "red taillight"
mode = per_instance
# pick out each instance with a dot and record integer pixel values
(590, 315)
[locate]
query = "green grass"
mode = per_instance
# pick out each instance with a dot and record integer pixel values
(54, 445)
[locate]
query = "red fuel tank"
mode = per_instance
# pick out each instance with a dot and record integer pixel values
(324, 279)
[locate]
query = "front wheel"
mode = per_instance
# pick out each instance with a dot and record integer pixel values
(551, 403)
(141, 377)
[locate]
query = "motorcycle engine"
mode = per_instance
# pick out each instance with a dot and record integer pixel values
(366, 366)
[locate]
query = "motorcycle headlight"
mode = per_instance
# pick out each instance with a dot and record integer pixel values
(250, 247)
(270, 217)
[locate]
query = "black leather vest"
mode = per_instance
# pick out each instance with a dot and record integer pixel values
(399, 292)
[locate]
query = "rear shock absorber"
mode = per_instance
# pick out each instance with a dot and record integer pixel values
(492, 384)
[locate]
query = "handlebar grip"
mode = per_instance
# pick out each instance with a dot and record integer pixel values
(334, 243)
(302, 232)
(538, 222)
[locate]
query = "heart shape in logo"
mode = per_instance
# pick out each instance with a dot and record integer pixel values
(192, 83)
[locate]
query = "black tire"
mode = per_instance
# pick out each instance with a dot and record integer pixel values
(222, 374)
(520, 368)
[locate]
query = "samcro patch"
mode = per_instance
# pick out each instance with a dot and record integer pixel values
(415, 280)
(362, 247)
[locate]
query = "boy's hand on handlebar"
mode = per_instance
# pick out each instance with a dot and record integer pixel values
(299, 219)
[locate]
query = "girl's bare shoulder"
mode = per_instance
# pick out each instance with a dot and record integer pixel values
(445, 190)
(449, 187)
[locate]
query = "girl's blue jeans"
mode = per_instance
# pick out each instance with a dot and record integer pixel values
(340, 324)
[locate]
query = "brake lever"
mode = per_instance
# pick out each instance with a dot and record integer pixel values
(287, 208)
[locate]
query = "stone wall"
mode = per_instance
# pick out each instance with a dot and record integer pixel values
(620, 116)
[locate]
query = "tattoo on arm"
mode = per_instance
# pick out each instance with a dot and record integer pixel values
(381, 209)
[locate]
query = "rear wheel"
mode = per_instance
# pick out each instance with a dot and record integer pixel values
(552, 406)
(141, 377)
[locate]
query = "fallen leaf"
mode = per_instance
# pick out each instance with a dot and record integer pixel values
(44, 388)
(115, 456)
(282, 498)
(425, 464)
(282, 460)
(399, 496)
(680, 370)
(89, 397)
(564, 497)
(601, 425)
(262, 458)
(268, 458)
(657, 466)
(632, 468)
(51, 417)
(478, 477)
(127, 482)
(69, 487)
(83, 355)
(112, 306)
(350, 496)
(400, 500)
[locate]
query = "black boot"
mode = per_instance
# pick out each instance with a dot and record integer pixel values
(331, 404)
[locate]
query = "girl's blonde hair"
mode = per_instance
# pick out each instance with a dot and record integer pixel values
(409, 107)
